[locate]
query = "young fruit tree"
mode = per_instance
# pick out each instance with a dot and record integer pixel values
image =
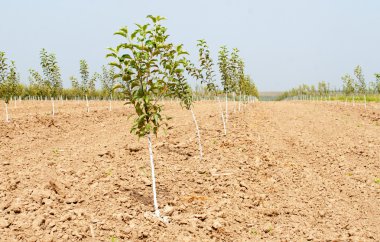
(52, 75)
(348, 86)
(9, 81)
(228, 68)
(146, 65)
(85, 76)
(235, 71)
(377, 83)
(361, 84)
(108, 83)
(3, 79)
(75, 86)
(240, 83)
(205, 74)
(37, 84)
(92, 83)
(224, 69)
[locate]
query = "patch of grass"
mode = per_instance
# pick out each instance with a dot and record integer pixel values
(143, 171)
(377, 180)
(114, 239)
(108, 173)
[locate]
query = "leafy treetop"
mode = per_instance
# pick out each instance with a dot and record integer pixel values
(150, 67)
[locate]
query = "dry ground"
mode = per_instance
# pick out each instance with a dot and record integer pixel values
(286, 171)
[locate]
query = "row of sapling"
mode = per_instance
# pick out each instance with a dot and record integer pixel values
(231, 68)
(88, 84)
(9, 81)
(352, 86)
(148, 65)
(321, 90)
(234, 80)
(149, 68)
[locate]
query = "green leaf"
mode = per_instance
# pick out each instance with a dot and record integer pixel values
(111, 55)
(121, 33)
(154, 20)
(116, 65)
(133, 35)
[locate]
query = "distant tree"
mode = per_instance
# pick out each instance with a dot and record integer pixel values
(85, 76)
(242, 81)
(92, 83)
(348, 84)
(9, 87)
(35, 78)
(377, 83)
(361, 86)
(107, 80)
(37, 85)
(74, 82)
(323, 88)
(224, 69)
(234, 70)
(251, 88)
(52, 73)
(312, 90)
(3, 67)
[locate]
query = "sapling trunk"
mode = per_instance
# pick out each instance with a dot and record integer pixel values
(365, 102)
(156, 210)
(224, 122)
(87, 104)
(198, 134)
(234, 103)
(6, 113)
(226, 108)
(52, 103)
(239, 101)
(110, 108)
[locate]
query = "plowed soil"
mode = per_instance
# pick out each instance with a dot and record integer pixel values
(285, 171)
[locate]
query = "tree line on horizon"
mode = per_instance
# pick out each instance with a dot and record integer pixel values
(49, 83)
(351, 87)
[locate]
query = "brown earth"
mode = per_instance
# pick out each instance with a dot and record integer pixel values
(286, 171)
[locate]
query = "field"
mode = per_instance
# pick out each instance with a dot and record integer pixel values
(291, 171)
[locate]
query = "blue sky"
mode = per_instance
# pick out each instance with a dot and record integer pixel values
(284, 43)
